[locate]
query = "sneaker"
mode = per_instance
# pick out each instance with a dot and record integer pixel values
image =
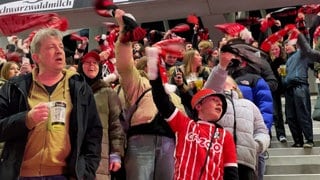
(308, 144)
(296, 145)
(282, 139)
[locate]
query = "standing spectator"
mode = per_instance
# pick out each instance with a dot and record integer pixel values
(193, 69)
(171, 60)
(150, 141)
(277, 58)
(2, 57)
(182, 90)
(297, 95)
(9, 70)
(249, 129)
(108, 106)
(26, 65)
(254, 88)
(205, 50)
(204, 150)
(213, 60)
(36, 147)
(256, 60)
(138, 50)
(290, 48)
(188, 46)
(242, 118)
(316, 69)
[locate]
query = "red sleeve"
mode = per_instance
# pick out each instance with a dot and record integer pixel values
(178, 121)
(229, 152)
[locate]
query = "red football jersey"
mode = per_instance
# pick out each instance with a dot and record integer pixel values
(193, 139)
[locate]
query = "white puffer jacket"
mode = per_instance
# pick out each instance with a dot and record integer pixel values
(251, 132)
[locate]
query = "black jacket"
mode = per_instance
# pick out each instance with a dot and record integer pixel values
(85, 128)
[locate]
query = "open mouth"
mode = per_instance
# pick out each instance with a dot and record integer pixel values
(218, 109)
(59, 59)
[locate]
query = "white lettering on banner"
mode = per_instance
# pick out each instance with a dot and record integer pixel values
(25, 6)
(119, 1)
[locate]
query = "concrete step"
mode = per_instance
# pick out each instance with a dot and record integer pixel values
(289, 137)
(292, 160)
(293, 151)
(293, 169)
(277, 144)
(292, 177)
(292, 164)
(286, 163)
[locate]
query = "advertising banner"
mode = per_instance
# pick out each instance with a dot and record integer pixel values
(25, 6)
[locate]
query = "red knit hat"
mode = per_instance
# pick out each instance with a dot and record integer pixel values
(204, 93)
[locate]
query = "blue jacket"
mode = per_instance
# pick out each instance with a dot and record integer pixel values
(255, 88)
(85, 128)
(298, 63)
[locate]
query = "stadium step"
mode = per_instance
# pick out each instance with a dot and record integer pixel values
(284, 162)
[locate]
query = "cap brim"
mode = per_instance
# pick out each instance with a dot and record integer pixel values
(223, 100)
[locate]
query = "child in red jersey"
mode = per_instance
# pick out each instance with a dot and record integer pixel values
(204, 150)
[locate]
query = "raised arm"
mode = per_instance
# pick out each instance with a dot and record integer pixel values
(219, 74)
(160, 97)
(123, 51)
(306, 49)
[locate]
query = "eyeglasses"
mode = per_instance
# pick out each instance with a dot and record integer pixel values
(88, 63)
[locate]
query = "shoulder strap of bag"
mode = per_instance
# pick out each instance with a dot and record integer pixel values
(127, 115)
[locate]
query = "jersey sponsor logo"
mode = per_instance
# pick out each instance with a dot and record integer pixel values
(204, 142)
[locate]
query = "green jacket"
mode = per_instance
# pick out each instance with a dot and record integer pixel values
(113, 139)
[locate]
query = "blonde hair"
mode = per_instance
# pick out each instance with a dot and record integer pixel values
(236, 88)
(6, 68)
(205, 44)
(141, 63)
(282, 53)
(188, 60)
